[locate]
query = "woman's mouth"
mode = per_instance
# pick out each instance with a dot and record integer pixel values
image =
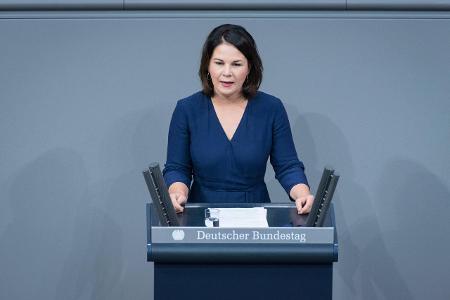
(227, 83)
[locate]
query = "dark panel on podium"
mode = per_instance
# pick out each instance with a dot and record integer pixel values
(241, 270)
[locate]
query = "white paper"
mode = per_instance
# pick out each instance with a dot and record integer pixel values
(243, 217)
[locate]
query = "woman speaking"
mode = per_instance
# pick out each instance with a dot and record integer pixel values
(220, 138)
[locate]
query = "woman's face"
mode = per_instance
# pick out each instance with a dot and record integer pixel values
(228, 69)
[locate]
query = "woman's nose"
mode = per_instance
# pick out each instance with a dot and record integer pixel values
(227, 71)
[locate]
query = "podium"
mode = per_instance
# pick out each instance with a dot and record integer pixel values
(284, 261)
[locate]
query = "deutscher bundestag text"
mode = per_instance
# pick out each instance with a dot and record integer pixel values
(252, 236)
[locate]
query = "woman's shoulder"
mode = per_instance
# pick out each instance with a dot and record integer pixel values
(266, 100)
(193, 105)
(193, 100)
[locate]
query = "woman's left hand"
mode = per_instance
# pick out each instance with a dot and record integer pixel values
(304, 203)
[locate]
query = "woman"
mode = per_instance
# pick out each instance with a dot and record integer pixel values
(223, 136)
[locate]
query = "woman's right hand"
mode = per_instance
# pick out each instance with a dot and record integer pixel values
(178, 192)
(178, 199)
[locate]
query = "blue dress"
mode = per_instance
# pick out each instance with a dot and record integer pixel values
(231, 171)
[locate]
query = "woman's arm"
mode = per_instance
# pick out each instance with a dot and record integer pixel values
(289, 170)
(178, 167)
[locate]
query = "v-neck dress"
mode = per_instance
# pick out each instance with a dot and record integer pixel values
(231, 171)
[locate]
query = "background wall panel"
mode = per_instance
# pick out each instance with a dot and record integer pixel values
(86, 103)
(236, 4)
(398, 4)
(60, 4)
(253, 5)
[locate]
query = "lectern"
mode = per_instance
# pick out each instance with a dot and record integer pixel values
(284, 261)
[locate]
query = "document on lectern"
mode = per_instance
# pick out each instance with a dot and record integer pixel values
(243, 217)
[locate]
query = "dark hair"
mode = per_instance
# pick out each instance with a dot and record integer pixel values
(238, 37)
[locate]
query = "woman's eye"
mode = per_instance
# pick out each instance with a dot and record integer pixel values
(237, 64)
(219, 63)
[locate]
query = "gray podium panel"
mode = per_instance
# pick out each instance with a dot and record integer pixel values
(247, 263)
(194, 242)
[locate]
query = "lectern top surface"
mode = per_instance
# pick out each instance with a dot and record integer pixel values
(283, 242)
(278, 214)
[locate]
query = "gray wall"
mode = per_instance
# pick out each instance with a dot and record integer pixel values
(86, 100)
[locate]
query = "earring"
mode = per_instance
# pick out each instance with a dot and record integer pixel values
(208, 76)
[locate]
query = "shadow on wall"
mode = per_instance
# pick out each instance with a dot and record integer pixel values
(94, 265)
(42, 195)
(136, 139)
(70, 238)
(108, 256)
(415, 204)
(149, 139)
(111, 262)
(361, 271)
(56, 242)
